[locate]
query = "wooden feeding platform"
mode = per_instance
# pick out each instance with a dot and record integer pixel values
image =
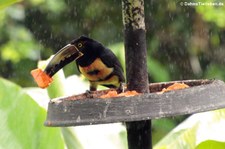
(202, 95)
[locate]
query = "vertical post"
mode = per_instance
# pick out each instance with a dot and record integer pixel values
(138, 133)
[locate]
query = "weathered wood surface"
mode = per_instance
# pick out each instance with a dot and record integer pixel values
(207, 95)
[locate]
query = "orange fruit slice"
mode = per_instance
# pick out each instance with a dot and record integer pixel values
(41, 78)
(111, 94)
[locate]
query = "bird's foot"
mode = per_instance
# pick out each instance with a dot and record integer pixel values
(89, 94)
(122, 88)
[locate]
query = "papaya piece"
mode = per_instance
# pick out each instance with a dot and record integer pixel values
(111, 94)
(175, 86)
(41, 78)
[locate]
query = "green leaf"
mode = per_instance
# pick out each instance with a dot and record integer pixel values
(161, 127)
(22, 121)
(70, 138)
(57, 89)
(179, 138)
(6, 3)
(211, 144)
(195, 130)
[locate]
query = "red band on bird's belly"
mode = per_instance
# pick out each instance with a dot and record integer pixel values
(98, 65)
(88, 68)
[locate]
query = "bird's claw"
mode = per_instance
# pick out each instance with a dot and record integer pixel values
(89, 94)
(122, 88)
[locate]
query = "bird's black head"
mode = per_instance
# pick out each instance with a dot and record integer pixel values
(90, 49)
(81, 42)
(87, 46)
(82, 48)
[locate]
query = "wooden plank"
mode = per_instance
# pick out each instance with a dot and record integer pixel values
(64, 112)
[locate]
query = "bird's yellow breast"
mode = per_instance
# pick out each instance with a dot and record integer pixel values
(102, 71)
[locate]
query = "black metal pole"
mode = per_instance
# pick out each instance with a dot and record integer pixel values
(139, 132)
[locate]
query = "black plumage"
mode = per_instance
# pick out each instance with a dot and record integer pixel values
(97, 63)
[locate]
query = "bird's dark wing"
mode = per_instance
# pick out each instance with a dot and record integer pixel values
(110, 60)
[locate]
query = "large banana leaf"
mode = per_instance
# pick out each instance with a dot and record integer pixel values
(200, 131)
(22, 119)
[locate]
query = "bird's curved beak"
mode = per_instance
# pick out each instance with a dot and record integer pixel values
(63, 57)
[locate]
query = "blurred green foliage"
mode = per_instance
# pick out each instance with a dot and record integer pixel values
(184, 42)
(6, 3)
(213, 14)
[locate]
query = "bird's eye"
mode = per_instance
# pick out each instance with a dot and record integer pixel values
(80, 45)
